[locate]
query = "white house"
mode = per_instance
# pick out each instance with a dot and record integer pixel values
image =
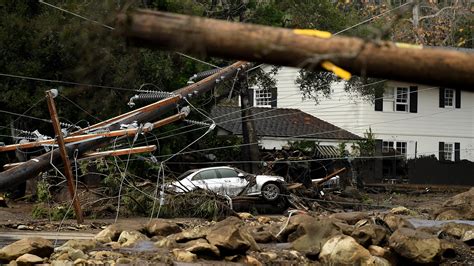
(415, 120)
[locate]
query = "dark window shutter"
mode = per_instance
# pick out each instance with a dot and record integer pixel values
(413, 99)
(251, 97)
(458, 98)
(457, 151)
(441, 151)
(274, 93)
(379, 99)
(441, 97)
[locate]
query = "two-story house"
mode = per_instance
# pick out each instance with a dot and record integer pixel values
(414, 120)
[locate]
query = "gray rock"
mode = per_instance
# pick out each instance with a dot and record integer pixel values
(184, 256)
(161, 227)
(202, 248)
(28, 259)
(370, 234)
(230, 237)
(349, 217)
(395, 222)
(344, 250)
(468, 237)
(130, 238)
(32, 245)
(81, 244)
(415, 245)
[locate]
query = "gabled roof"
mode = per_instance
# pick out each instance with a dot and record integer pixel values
(280, 122)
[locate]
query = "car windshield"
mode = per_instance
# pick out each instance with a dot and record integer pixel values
(185, 174)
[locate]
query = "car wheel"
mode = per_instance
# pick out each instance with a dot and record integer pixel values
(270, 191)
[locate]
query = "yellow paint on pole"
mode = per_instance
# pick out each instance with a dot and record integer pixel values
(313, 33)
(343, 74)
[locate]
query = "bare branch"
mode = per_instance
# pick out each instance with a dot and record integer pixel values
(437, 13)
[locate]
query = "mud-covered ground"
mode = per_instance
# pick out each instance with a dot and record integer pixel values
(381, 235)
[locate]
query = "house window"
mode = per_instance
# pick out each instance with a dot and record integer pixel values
(448, 98)
(387, 146)
(448, 151)
(401, 100)
(263, 97)
(402, 148)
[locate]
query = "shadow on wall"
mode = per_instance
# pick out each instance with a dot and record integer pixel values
(429, 170)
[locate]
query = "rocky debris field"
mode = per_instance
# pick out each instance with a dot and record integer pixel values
(344, 238)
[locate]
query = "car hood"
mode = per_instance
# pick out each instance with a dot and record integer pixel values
(269, 177)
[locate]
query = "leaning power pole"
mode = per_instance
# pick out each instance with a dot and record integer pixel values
(298, 48)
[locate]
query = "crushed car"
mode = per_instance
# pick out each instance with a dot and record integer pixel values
(230, 181)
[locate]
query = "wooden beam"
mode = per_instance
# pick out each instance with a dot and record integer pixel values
(326, 178)
(62, 150)
(93, 155)
(286, 47)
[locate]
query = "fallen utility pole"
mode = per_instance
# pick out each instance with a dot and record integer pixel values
(64, 156)
(326, 178)
(77, 138)
(279, 46)
(151, 112)
(93, 155)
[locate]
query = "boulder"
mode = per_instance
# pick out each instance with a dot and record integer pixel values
(28, 259)
(313, 235)
(383, 253)
(262, 234)
(130, 238)
(188, 235)
(202, 248)
(184, 256)
(417, 246)
(81, 244)
(343, 250)
(370, 234)
(161, 227)
(75, 254)
(270, 256)
(455, 230)
(468, 237)
(400, 210)
(395, 222)
(230, 237)
(113, 231)
(249, 260)
(245, 215)
(31, 245)
(263, 219)
(105, 255)
(458, 207)
(349, 217)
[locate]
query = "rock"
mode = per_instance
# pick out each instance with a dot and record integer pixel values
(349, 217)
(249, 260)
(343, 250)
(377, 261)
(28, 259)
(458, 207)
(263, 219)
(25, 227)
(383, 253)
(160, 227)
(455, 230)
(230, 237)
(312, 236)
(417, 246)
(113, 231)
(184, 256)
(202, 248)
(166, 243)
(61, 263)
(32, 245)
(81, 244)
(403, 211)
(245, 215)
(269, 255)
(76, 254)
(468, 237)
(188, 235)
(103, 255)
(130, 238)
(262, 235)
(113, 245)
(370, 234)
(395, 222)
(80, 261)
(125, 261)
(345, 228)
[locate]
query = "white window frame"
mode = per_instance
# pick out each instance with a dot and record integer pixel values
(448, 151)
(391, 145)
(402, 150)
(262, 97)
(397, 101)
(387, 145)
(451, 99)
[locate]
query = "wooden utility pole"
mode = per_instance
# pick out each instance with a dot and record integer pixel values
(286, 47)
(250, 150)
(64, 156)
(148, 113)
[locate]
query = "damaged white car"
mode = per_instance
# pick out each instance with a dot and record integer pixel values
(231, 182)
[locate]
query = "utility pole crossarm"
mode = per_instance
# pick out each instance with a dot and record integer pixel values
(279, 46)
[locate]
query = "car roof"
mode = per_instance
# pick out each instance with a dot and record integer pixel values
(215, 167)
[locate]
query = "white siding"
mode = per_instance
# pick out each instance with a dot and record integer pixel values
(429, 126)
